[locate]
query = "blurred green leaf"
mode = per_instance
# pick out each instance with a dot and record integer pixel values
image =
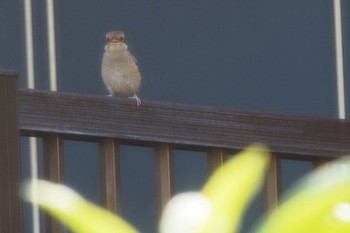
(74, 211)
(317, 203)
(231, 188)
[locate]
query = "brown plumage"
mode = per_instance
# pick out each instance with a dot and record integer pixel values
(120, 71)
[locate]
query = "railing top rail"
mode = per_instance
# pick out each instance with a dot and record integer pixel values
(85, 116)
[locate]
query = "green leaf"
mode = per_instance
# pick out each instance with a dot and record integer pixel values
(73, 210)
(318, 203)
(232, 187)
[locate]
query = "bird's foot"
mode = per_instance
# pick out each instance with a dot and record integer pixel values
(137, 99)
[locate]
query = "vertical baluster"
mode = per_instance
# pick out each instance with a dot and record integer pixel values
(273, 184)
(53, 158)
(165, 174)
(319, 162)
(53, 171)
(109, 151)
(216, 158)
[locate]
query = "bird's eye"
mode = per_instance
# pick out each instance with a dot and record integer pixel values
(122, 38)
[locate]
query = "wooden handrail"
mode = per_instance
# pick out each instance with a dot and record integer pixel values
(99, 116)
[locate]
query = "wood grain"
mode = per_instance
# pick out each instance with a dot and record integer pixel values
(99, 116)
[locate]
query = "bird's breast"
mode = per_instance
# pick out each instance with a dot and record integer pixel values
(120, 73)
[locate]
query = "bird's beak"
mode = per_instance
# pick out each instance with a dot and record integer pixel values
(114, 41)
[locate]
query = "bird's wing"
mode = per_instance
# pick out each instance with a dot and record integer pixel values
(136, 62)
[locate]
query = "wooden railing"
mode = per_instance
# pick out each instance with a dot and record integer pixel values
(111, 122)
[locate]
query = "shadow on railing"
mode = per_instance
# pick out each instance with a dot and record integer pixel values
(111, 122)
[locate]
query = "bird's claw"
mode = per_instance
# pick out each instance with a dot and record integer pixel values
(137, 99)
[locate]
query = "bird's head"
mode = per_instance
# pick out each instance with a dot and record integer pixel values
(115, 37)
(115, 40)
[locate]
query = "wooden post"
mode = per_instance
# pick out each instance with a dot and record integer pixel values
(53, 171)
(109, 152)
(165, 174)
(10, 177)
(273, 184)
(216, 158)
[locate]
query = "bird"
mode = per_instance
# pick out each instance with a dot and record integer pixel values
(120, 72)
